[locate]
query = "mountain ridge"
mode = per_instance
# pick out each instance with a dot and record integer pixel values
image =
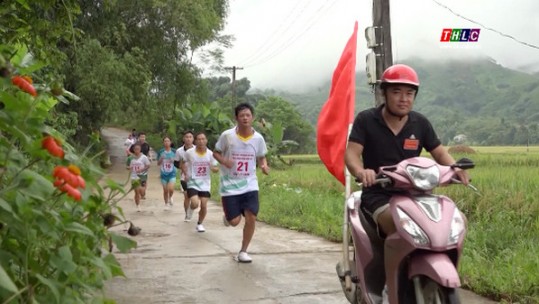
(467, 97)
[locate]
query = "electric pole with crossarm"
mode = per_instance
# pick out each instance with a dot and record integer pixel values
(233, 69)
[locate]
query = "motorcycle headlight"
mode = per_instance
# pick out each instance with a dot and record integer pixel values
(413, 229)
(457, 227)
(424, 178)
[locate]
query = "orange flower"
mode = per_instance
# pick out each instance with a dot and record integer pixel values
(74, 169)
(28, 78)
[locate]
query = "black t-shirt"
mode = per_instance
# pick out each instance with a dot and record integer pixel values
(383, 148)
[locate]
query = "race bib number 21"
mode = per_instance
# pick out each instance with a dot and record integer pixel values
(244, 163)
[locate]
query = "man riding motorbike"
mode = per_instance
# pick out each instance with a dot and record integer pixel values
(386, 135)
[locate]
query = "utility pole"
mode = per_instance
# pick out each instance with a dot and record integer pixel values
(379, 40)
(233, 69)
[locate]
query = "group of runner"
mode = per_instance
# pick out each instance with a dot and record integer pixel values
(236, 155)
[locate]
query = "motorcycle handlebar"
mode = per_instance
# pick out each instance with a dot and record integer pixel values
(464, 163)
(382, 181)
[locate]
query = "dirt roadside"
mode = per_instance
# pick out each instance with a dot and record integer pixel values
(175, 264)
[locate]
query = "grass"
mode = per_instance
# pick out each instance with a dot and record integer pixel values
(502, 246)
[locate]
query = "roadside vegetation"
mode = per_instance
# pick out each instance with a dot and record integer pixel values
(67, 67)
(70, 67)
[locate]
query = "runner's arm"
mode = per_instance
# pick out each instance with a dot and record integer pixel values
(214, 165)
(146, 165)
(177, 159)
(222, 160)
(183, 166)
(263, 163)
(160, 158)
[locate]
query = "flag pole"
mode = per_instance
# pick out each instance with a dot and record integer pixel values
(345, 236)
(347, 175)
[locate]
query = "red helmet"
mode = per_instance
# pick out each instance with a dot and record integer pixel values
(401, 74)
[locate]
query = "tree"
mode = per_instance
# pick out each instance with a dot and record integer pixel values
(275, 109)
(106, 83)
(201, 117)
(41, 26)
(150, 43)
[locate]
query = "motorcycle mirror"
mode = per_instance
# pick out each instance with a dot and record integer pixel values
(464, 163)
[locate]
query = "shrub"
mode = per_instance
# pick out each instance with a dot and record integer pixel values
(461, 149)
(52, 231)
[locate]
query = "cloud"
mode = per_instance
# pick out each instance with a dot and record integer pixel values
(296, 44)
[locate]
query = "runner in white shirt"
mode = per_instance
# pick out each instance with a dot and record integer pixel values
(128, 143)
(187, 144)
(238, 150)
(198, 163)
(138, 164)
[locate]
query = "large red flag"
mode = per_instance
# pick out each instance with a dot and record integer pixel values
(338, 112)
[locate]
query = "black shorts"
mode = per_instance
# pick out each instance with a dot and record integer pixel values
(370, 202)
(184, 185)
(192, 192)
(235, 205)
(374, 199)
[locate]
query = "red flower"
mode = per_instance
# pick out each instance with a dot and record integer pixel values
(67, 180)
(24, 85)
(52, 145)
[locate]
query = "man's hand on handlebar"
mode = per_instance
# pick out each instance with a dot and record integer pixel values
(462, 176)
(367, 177)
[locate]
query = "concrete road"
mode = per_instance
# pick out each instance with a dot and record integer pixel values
(175, 264)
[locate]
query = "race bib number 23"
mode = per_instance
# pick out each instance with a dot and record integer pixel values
(201, 170)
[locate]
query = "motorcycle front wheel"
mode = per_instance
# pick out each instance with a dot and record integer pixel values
(434, 293)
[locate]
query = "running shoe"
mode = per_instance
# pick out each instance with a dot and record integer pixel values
(243, 257)
(200, 228)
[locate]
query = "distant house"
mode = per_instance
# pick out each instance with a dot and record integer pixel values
(460, 139)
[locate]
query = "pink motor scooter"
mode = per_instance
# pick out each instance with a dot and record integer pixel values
(421, 258)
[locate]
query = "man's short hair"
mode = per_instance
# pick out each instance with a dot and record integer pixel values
(243, 106)
(199, 133)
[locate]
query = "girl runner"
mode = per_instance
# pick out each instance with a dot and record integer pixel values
(165, 158)
(138, 164)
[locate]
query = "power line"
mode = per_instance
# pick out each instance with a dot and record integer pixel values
(284, 41)
(486, 27)
(292, 39)
(282, 29)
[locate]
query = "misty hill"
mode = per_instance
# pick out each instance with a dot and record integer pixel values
(490, 104)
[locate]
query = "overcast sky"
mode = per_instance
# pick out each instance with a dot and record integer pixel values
(297, 43)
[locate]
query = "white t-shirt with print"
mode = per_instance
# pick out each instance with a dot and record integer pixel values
(199, 169)
(138, 163)
(129, 142)
(241, 178)
(180, 154)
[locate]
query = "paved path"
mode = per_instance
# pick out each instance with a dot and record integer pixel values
(175, 264)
